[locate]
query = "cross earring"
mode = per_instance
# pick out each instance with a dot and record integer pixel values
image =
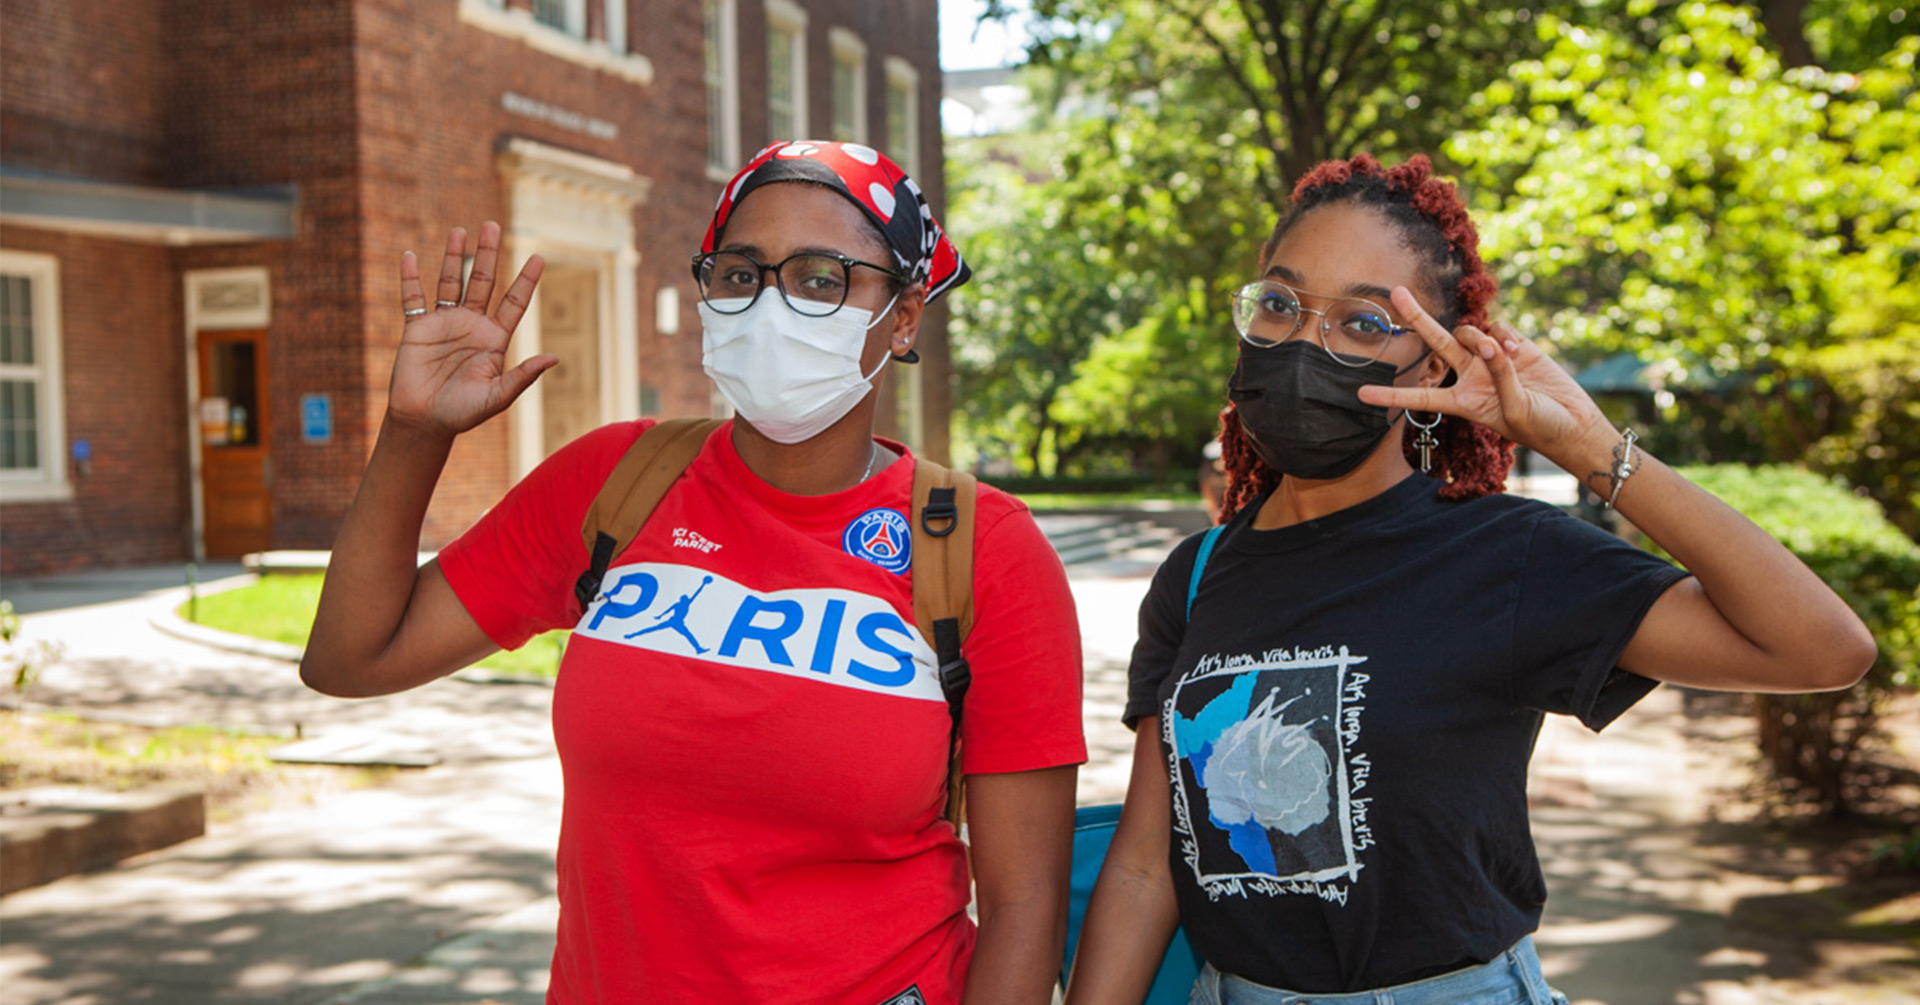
(1425, 442)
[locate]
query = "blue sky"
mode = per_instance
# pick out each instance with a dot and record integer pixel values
(962, 47)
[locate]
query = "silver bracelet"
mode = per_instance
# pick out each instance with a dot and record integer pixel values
(1623, 466)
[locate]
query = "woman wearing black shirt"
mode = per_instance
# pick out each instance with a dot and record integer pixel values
(1336, 713)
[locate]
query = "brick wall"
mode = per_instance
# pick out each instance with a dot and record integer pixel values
(431, 119)
(219, 93)
(82, 89)
(124, 373)
(386, 115)
(906, 29)
(674, 218)
(263, 94)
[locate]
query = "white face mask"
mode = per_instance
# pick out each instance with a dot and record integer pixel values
(787, 374)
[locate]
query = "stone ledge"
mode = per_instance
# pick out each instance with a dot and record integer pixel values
(47, 833)
(168, 623)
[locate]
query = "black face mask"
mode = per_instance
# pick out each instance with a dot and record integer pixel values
(1301, 409)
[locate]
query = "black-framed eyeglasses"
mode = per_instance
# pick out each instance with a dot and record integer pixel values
(1353, 330)
(812, 283)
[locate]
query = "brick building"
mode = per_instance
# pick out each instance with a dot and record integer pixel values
(203, 206)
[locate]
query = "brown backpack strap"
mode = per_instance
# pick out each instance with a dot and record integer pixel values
(632, 490)
(942, 526)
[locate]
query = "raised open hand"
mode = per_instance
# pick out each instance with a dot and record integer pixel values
(451, 372)
(1506, 383)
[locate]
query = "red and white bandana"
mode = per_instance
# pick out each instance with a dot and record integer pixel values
(872, 182)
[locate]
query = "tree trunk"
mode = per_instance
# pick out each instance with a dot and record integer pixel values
(1785, 23)
(1811, 742)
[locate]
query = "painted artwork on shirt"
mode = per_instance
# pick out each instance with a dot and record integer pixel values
(1265, 774)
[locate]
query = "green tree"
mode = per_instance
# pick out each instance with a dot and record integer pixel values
(1754, 228)
(1814, 742)
(1185, 124)
(1844, 36)
(1046, 288)
(1104, 223)
(1638, 150)
(1698, 204)
(1311, 81)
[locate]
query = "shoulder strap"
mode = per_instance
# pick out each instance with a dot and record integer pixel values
(636, 486)
(942, 548)
(942, 527)
(1200, 564)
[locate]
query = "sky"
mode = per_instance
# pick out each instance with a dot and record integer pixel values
(967, 45)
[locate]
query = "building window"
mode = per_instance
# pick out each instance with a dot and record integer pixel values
(616, 26)
(903, 115)
(569, 16)
(666, 310)
(33, 441)
(559, 28)
(849, 87)
(786, 71)
(723, 89)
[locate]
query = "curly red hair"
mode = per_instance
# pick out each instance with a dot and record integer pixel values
(1472, 460)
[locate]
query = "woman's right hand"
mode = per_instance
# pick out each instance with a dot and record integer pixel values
(451, 372)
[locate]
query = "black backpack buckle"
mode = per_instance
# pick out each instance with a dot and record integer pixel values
(940, 508)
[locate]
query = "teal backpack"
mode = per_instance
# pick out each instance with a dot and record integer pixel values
(1093, 832)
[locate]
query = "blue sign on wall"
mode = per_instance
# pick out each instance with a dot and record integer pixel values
(316, 418)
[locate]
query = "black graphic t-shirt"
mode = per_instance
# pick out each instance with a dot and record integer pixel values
(1348, 718)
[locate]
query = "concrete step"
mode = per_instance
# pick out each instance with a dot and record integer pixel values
(55, 831)
(1119, 538)
(1065, 528)
(1093, 531)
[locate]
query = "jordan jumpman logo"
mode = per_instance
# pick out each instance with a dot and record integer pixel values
(677, 618)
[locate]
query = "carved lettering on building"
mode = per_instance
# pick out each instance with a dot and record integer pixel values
(572, 121)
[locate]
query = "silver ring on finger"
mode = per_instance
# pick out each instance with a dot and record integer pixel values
(414, 313)
(437, 304)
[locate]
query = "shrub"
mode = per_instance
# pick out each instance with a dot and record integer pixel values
(1878, 444)
(1812, 741)
(21, 661)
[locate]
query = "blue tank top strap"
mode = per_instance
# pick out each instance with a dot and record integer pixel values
(1200, 564)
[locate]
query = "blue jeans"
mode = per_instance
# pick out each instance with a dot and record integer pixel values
(1512, 978)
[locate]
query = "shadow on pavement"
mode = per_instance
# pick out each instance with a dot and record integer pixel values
(1625, 921)
(465, 722)
(1655, 901)
(295, 905)
(247, 950)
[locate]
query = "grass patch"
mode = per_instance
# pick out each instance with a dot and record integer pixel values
(280, 608)
(540, 657)
(231, 767)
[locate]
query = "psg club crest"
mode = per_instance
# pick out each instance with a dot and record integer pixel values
(880, 536)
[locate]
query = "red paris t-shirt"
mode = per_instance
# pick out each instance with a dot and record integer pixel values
(752, 731)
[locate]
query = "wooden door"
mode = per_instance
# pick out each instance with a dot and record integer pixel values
(236, 468)
(570, 329)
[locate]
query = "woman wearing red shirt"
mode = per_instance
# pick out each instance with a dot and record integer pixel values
(753, 736)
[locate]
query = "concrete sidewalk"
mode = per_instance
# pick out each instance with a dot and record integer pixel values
(303, 904)
(437, 888)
